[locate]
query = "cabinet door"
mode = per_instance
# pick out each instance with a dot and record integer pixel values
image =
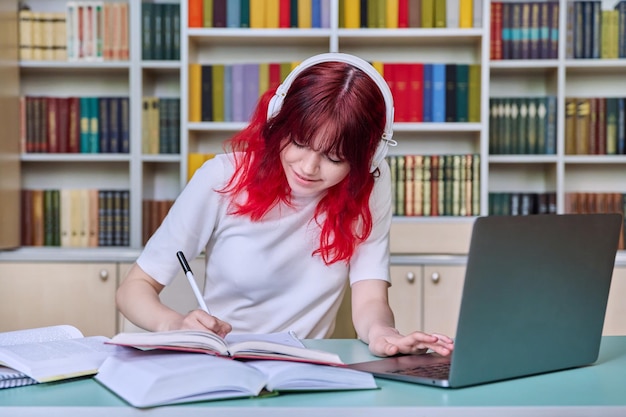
(405, 297)
(44, 294)
(443, 287)
(615, 321)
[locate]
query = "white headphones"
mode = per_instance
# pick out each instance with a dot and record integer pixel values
(386, 140)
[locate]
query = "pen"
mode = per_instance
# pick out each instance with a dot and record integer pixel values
(192, 280)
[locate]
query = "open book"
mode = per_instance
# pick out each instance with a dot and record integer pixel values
(51, 353)
(281, 346)
(153, 378)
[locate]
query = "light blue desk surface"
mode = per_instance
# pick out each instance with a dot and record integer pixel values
(596, 390)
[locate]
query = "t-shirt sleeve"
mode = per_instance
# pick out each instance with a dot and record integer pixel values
(189, 223)
(371, 258)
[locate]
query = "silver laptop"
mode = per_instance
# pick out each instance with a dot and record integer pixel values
(534, 300)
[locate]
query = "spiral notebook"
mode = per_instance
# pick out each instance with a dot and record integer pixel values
(534, 300)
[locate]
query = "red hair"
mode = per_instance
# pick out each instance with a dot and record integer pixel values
(330, 100)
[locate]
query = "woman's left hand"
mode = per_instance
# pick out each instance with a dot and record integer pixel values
(414, 343)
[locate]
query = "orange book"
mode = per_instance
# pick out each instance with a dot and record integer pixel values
(194, 10)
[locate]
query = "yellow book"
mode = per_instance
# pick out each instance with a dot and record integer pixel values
(258, 19)
(305, 14)
(380, 67)
(273, 13)
(391, 14)
(264, 77)
(145, 122)
(195, 161)
(153, 117)
(352, 14)
(218, 92)
(465, 13)
(195, 92)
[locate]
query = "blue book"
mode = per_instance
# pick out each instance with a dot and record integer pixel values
(316, 13)
(124, 121)
(114, 124)
(427, 98)
(250, 89)
(439, 93)
(104, 125)
(94, 121)
(551, 125)
(233, 13)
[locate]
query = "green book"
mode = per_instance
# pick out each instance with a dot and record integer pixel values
(392, 161)
(440, 13)
(146, 30)
(218, 92)
(532, 126)
(473, 93)
(540, 122)
(244, 10)
(207, 13)
(522, 126)
(462, 93)
(426, 180)
(428, 13)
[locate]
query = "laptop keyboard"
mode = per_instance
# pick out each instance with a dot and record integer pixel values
(435, 371)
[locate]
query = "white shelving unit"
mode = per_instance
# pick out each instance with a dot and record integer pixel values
(164, 176)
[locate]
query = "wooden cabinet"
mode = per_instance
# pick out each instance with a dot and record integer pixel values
(44, 294)
(426, 297)
(443, 287)
(405, 296)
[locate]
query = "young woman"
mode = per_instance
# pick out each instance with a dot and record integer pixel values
(298, 207)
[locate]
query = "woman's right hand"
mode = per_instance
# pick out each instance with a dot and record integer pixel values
(201, 320)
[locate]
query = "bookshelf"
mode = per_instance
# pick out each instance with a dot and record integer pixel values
(162, 176)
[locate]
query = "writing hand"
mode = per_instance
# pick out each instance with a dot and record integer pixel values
(199, 319)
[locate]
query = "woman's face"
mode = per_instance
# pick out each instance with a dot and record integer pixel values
(310, 172)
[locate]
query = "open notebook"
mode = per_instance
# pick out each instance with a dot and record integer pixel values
(534, 300)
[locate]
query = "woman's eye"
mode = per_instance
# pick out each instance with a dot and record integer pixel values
(334, 159)
(298, 145)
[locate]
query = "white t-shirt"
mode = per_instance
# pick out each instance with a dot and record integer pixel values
(261, 277)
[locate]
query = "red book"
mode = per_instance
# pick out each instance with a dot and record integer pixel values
(389, 74)
(63, 124)
(74, 125)
(496, 31)
(403, 13)
(284, 15)
(402, 98)
(416, 93)
(194, 9)
(275, 79)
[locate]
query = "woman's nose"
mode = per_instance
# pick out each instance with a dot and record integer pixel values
(310, 162)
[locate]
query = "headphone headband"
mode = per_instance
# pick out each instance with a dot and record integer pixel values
(387, 138)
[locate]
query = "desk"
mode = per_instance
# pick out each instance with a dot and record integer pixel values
(597, 390)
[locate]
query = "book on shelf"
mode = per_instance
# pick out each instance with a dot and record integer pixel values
(150, 379)
(52, 353)
(279, 346)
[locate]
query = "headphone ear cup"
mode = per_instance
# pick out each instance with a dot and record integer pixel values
(379, 155)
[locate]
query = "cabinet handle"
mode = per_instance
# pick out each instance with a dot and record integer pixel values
(435, 277)
(410, 276)
(104, 274)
